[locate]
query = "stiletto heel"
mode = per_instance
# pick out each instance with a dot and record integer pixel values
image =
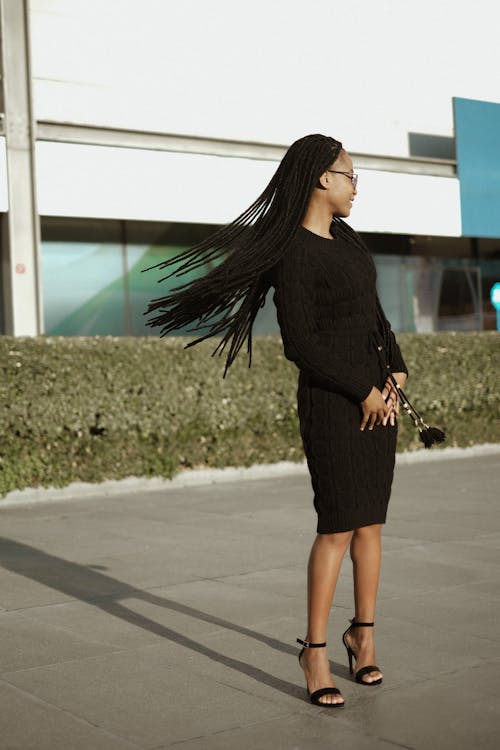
(350, 653)
(317, 694)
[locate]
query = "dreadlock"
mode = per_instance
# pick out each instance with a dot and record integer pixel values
(250, 246)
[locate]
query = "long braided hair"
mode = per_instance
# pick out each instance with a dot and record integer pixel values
(249, 247)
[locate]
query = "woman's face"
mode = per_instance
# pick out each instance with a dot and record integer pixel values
(340, 190)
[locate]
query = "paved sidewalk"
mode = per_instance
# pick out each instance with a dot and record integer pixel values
(168, 619)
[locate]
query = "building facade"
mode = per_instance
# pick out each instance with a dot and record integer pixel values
(132, 130)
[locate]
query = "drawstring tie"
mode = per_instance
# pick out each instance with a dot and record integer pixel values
(427, 434)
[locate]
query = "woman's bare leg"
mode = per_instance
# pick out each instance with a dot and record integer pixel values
(323, 569)
(366, 555)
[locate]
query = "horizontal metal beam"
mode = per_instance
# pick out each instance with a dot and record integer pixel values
(101, 136)
(410, 165)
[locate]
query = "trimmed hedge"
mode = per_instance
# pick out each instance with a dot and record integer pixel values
(90, 409)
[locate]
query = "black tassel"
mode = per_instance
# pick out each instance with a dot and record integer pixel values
(425, 437)
(431, 435)
(437, 435)
(428, 435)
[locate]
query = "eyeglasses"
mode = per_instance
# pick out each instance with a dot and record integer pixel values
(353, 177)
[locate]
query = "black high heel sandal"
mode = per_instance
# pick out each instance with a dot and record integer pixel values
(314, 696)
(350, 653)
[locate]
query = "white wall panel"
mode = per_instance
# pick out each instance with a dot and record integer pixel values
(366, 72)
(407, 204)
(103, 182)
(99, 181)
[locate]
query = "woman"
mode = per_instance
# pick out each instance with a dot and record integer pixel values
(293, 237)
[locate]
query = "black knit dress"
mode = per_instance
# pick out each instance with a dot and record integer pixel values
(326, 302)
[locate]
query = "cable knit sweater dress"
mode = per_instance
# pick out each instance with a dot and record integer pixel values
(326, 302)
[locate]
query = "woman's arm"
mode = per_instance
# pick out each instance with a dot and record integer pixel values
(396, 360)
(293, 298)
(397, 365)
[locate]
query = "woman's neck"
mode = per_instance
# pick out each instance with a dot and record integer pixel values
(318, 220)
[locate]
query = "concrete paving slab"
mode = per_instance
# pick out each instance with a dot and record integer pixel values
(461, 610)
(469, 555)
(224, 603)
(199, 607)
(408, 572)
(285, 581)
(28, 723)
(168, 619)
(17, 592)
(430, 528)
(139, 695)
(27, 643)
(429, 650)
(323, 728)
(448, 711)
(489, 586)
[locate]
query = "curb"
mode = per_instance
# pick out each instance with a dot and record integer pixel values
(197, 477)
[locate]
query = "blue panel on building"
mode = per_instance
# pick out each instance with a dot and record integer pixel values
(477, 133)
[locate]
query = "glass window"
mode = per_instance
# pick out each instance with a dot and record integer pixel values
(148, 244)
(94, 280)
(166, 241)
(459, 299)
(425, 294)
(82, 278)
(489, 249)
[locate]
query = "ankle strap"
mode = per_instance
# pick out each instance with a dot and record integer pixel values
(308, 644)
(355, 624)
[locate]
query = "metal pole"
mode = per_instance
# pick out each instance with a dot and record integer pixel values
(21, 257)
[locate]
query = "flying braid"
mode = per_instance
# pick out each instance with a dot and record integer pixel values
(249, 247)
